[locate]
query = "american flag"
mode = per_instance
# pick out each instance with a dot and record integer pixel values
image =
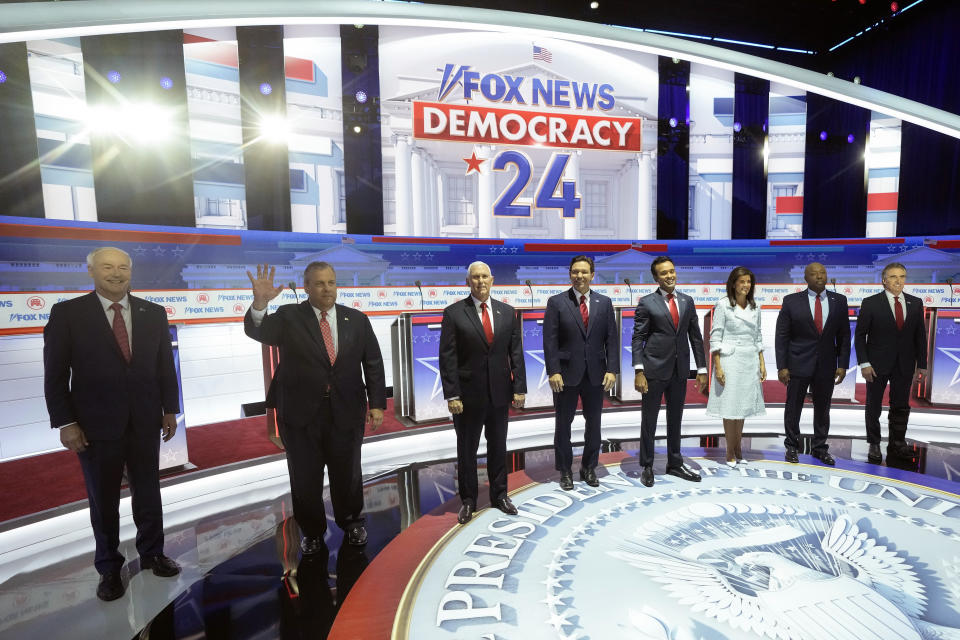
(542, 53)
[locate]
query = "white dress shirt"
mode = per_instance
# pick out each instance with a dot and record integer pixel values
(257, 316)
(824, 305)
(586, 295)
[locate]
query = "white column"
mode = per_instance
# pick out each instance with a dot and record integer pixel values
(432, 190)
(571, 226)
(485, 192)
(645, 213)
(404, 224)
(416, 184)
(441, 198)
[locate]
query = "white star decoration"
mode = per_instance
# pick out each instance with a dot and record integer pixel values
(951, 352)
(437, 385)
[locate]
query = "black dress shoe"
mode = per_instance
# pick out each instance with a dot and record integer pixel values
(465, 513)
(161, 565)
(684, 473)
(566, 480)
(110, 587)
(824, 457)
(506, 505)
(646, 476)
(312, 545)
(357, 535)
(900, 449)
(791, 455)
(874, 455)
(590, 477)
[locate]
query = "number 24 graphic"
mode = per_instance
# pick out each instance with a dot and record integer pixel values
(508, 204)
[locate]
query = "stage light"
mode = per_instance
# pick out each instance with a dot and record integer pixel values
(166, 83)
(274, 129)
(823, 136)
(737, 127)
(141, 123)
(863, 1)
(3, 77)
(361, 96)
(856, 79)
(829, 74)
(113, 77)
(265, 88)
(672, 122)
(850, 138)
(594, 5)
(894, 6)
(357, 129)
(676, 60)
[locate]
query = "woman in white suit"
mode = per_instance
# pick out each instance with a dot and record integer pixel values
(737, 353)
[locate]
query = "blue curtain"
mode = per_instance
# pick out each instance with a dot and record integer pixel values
(673, 150)
(751, 108)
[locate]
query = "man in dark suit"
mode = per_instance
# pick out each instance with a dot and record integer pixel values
(891, 343)
(666, 328)
(582, 355)
(482, 370)
(813, 348)
(330, 370)
(111, 389)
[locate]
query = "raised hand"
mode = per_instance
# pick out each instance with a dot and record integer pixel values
(263, 289)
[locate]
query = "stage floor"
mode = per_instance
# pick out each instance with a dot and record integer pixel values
(768, 549)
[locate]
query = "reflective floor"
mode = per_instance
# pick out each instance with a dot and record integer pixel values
(243, 574)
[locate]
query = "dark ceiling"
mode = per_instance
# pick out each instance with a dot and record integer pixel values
(810, 25)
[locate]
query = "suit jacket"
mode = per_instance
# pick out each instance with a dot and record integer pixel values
(86, 380)
(880, 343)
(356, 378)
(799, 347)
(662, 348)
(575, 351)
(481, 374)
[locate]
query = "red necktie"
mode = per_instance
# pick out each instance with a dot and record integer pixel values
(120, 331)
(487, 327)
(673, 311)
(584, 312)
(327, 337)
(898, 312)
(818, 315)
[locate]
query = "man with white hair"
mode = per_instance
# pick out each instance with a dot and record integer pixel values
(111, 390)
(482, 371)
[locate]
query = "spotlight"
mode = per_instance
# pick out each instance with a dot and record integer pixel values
(142, 123)
(274, 129)
(113, 77)
(850, 139)
(737, 127)
(265, 88)
(166, 83)
(594, 5)
(863, 1)
(361, 96)
(856, 79)
(829, 74)
(672, 122)
(823, 135)
(676, 60)
(894, 7)
(357, 129)
(3, 77)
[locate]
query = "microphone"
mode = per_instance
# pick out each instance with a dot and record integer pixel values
(529, 286)
(833, 281)
(293, 288)
(420, 289)
(950, 284)
(627, 282)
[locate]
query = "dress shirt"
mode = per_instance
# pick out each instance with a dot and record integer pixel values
(489, 303)
(824, 305)
(676, 300)
(577, 294)
(257, 316)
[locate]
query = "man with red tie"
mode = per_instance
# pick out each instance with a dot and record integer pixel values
(891, 343)
(581, 352)
(812, 345)
(330, 371)
(482, 371)
(666, 328)
(111, 389)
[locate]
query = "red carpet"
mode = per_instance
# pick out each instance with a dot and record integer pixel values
(51, 480)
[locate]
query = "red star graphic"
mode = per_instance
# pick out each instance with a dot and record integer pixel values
(473, 163)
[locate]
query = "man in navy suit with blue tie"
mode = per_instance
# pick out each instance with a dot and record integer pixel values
(813, 349)
(666, 328)
(582, 356)
(111, 389)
